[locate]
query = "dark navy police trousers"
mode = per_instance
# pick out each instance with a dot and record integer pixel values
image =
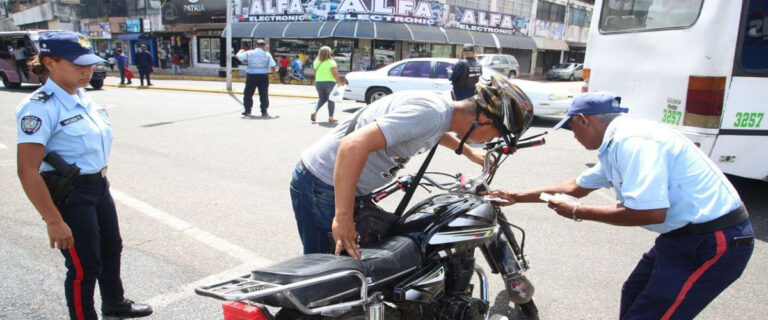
(253, 81)
(681, 275)
(89, 211)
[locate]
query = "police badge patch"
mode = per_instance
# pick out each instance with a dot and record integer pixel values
(30, 124)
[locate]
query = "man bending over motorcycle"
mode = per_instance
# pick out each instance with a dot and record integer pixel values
(342, 167)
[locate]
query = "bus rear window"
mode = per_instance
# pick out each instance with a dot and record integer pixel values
(754, 45)
(646, 15)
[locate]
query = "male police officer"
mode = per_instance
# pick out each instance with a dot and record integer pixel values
(259, 61)
(465, 74)
(665, 184)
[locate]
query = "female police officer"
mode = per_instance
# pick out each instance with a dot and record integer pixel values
(61, 118)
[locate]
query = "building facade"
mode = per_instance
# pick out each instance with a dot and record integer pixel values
(365, 34)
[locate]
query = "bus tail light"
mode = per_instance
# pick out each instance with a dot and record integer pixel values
(704, 102)
(585, 73)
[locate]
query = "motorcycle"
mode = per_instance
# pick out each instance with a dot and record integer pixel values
(423, 270)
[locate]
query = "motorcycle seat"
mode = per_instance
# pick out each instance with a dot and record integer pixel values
(381, 262)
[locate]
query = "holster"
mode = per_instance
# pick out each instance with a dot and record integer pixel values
(60, 180)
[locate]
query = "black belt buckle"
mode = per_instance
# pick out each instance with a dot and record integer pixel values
(742, 241)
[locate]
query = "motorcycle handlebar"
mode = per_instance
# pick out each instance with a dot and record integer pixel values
(504, 149)
(400, 184)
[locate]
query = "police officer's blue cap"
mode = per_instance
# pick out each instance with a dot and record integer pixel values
(74, 47)
(592, 103)
(468, 47)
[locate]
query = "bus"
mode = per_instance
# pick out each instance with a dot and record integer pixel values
(700, 67)
(17, 52)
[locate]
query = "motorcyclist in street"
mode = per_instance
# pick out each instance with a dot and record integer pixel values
(341, 168)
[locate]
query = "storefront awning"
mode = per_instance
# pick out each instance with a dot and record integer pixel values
(572, 45)
(484, 39)
(365, 30)
(303, 30)
(516, 41)
(269, 30)
(326, 30)
(427, 34)
(345, 29)
(551, 44)
(241, 29)
(392, 31)
(458, 36)
(129, 36)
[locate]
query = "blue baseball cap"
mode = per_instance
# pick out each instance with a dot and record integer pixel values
(592, 103)
(74, 47)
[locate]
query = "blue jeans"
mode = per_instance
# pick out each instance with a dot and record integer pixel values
(314, 208)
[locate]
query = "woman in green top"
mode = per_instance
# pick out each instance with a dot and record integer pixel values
(326, 77)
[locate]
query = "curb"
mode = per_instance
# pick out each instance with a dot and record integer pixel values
(209, 91)
(205, 78)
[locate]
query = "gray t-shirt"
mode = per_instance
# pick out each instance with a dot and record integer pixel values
(412, 122)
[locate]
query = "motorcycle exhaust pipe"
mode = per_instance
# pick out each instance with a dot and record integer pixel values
(483, 286)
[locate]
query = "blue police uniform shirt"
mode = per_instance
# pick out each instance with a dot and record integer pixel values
(652, 167)
(258, 61)
(79, 131)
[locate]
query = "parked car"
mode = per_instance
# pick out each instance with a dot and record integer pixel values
(566, 71)
(433, 74)
(503, 63)
(9, 71)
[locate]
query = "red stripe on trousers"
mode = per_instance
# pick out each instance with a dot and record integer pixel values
(77, 283)
(721, 246)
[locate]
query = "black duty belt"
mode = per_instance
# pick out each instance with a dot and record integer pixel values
(728, 220)
(92, 176)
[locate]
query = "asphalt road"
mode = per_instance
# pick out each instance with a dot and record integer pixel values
(202, 195)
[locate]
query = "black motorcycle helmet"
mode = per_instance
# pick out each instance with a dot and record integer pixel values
(506, 104)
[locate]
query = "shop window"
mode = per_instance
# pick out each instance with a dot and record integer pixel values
(383, 53)
(416, 69)
(209, 50)
(342, 53)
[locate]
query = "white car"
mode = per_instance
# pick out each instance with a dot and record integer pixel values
(433, 74)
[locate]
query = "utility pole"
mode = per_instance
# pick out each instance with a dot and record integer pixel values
(228, 50)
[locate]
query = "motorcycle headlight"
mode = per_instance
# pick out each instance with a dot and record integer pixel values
(558, 96)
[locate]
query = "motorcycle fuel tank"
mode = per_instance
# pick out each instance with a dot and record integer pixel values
(451, 218)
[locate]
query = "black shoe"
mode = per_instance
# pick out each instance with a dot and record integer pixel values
(125, 308)
(130, 82)
(265, 114)
(246, 113)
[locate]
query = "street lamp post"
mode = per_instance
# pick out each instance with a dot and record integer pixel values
(228, 55)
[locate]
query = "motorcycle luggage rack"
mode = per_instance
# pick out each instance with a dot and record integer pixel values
(245, 288)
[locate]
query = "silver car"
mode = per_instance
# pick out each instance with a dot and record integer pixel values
(505, 64)
(566, 71)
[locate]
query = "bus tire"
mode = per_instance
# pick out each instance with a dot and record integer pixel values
(97, 84)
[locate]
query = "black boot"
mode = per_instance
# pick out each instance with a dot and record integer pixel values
(125, 308)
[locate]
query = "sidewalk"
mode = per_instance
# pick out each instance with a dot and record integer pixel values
(216, 85)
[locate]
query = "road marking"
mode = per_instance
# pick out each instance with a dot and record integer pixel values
(188, 289)
(186, 228)
(250, 259)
